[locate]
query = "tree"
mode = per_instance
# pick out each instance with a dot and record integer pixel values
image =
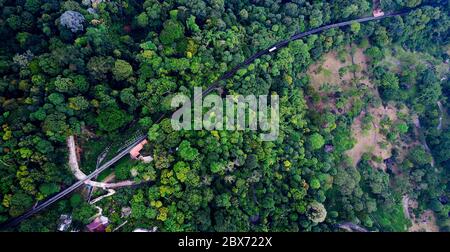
(419, 156)
(374, 53)
(172, 31)
(153, 133)
(20, 202)
(122, 70)
(142, 20)
(243, 14)
(389, 81)
(122, 171)
(14, 22)
(49, 65)
(181, 170)
(76, 200)
(355, 27)
(316, 18)
(187, 152)
(316, 141)
(73, 85)
(192, 25)
(55, 127)
(72, 20)
(402, 128)
(217, 167)
(251, 162)
(48, 189)
(127, 96)
(111, 119)
(410, 3)
(316, 212)
(99, 66)
(315, 184)
(33, 6)
(381, 37)
(83, 213)
(78, 103)
(223, 200)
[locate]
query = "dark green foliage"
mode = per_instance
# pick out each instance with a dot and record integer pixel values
(118, 70)
(20, 202)
(111, 119)
(172, 31)
(82, 213)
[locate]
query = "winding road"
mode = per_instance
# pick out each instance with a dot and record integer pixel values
(213, 86)
(284, 43)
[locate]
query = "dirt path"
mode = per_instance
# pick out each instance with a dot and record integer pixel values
(351, 227)
(405, 204)
(110, 193)
(426, 222)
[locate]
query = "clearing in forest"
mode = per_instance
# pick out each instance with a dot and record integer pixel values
(426, 222)
(344, 72)
(373, 140)
(327, 71)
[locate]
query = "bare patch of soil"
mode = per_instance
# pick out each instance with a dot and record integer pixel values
(328, 71)
(372, 141)
(327, 79)
(333, 75)
(426, 222)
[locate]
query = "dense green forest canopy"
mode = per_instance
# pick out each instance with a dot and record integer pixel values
(102, 67)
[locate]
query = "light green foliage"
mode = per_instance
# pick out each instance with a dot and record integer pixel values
(355, 28)
(78, 103)
(181, 170)
(389, 81)
(153, 133)
(402, 128)
(186, 151)
(315, 184)
(122, 70)
(142, 19)
(73, 85)
(316, 141)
